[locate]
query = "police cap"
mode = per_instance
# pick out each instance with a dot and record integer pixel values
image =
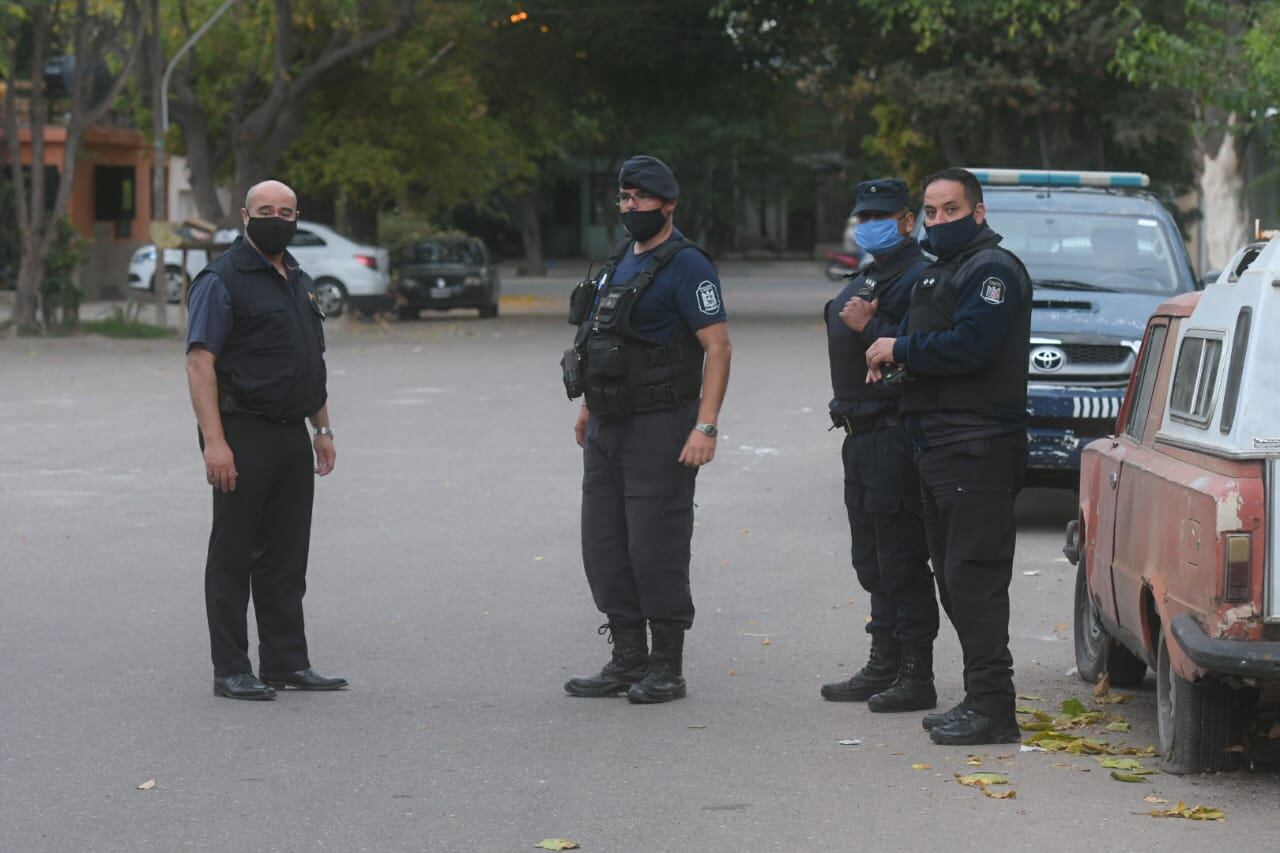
(650, 174)
(887, 195)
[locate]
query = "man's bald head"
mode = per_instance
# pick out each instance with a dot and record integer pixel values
(275, 193)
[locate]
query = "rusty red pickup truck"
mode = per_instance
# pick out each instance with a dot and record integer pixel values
(1177, 543)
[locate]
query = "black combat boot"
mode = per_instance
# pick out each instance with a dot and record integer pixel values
(879, 673)
(928, 721)
(664, 681)
(913, 690)
(971, 727)
(625, 667)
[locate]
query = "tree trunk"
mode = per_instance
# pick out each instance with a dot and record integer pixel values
(155, 70)
(531, 235)
(1224, 227)
(30, 274)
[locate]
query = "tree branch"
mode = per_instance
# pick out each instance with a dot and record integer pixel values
(333, 56)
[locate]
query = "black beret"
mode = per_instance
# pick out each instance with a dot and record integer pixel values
(887, 195)
(650, 174)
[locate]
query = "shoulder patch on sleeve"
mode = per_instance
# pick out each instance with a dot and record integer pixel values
(708, 298)
(992, 290)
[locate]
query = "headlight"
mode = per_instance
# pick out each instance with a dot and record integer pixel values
(143, 255)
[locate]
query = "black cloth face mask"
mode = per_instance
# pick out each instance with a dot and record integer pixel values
(643, 225)
(271, 234)
(950, 237)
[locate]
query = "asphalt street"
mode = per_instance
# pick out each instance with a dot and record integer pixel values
(446, 583)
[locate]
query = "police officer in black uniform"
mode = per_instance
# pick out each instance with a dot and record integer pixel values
(256, 371)
(881, 489)
(651, 359)
(965, 349)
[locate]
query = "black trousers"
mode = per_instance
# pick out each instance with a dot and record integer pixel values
(258, 547)
(969, 489)
(637, 516)
(890, 552)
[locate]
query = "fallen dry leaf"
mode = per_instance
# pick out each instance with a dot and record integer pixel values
(1061, 626)
(973, 761)
(1129, 764)
(766, 642)
(1127, 777)
(978, 780)
(1112, 699)
(921, 766)
(556, 844)
(1119, 726)
(1032, 698)
(1000, 795)
(1190, 812)
(1152, 798)
(732, 672)
(1103, 687)
(147, 785)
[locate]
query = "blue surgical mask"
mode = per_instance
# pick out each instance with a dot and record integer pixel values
(877, 236)
(950, 237)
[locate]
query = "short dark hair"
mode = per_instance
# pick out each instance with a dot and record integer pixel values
(966, 179)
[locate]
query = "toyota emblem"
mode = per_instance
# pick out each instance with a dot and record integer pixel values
(1048, 359)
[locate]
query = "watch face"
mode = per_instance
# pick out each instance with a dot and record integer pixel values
(707, 429)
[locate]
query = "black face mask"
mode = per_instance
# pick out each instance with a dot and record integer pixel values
(643, 225)
(271, 234)
(950, 237)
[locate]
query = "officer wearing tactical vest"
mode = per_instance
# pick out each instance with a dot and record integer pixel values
(651, 360)
(881, 488)
(965, 349)
(255, 369)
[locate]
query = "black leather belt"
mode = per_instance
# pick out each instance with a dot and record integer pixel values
(858, 424)
(229, 405)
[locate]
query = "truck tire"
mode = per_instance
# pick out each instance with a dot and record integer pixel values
(1196, 722)
(1097, 652)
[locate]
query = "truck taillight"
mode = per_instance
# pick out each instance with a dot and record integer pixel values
(1236, 581)
(367, 260)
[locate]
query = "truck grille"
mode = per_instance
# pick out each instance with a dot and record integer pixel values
(1096, 353)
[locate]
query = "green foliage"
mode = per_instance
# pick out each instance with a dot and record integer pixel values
(59, 293)
(116, 325)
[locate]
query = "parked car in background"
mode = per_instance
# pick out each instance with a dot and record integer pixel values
(1177, 541)
(441, 273)
(345, 272)
(1103, 253)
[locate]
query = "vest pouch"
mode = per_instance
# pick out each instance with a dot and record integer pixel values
(571, 373)
(614, 308)
(580, 302)
(606, 360)
(610, 401)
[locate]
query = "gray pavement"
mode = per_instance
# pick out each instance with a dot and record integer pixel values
(446, 584)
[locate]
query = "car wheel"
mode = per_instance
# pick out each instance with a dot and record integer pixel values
(1097, 652)
(1196, 722)
(404, 312)
(331, 296)
(174, 281)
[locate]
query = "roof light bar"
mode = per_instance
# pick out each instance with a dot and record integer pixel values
(1050, 178)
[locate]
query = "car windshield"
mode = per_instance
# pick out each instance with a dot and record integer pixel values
(434, 252)
(1094, 251)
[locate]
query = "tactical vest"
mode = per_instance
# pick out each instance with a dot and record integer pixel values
(1000, 386)
(846, 349)
(272, 361)
(623, 372)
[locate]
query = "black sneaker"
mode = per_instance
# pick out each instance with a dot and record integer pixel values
(929, 721)
(971, 727)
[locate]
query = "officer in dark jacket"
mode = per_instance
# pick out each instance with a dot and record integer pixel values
(651, 359)
(965, 350)
(255, 369)
(881, 488)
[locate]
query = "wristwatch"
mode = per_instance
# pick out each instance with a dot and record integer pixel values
(324, 431)
(709, 430)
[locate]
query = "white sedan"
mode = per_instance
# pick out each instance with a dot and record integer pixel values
(345, 272)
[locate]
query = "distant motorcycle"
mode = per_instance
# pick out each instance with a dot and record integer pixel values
(842, 264)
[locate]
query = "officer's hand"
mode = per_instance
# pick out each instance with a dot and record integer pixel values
(326, 454)
(699, 449)
(857, 312)
(220, 466)
(580, 425)
(880, 352)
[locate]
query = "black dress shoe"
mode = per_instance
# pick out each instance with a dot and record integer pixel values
(305, 679)
(242, 685)
(970, 726)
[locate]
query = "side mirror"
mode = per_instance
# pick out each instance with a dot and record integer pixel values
(1207, 279)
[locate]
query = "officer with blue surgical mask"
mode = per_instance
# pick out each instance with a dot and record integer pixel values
(890, 553)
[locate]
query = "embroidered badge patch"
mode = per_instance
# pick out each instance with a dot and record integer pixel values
(993, 291)
(708, 298)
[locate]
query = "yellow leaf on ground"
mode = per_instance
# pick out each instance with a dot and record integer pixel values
(1196, 812)
(921, 766)
(1119, 726)
(1121, 776)
(1000, 795)
(978, 780)
(1129, 764)
(557, 844)
(973, 761)
(1103, 687)
(766, 642)
(1152, 798)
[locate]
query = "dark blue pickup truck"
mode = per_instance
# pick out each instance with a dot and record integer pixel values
(1103, 253)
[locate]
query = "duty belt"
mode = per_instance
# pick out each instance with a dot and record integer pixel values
(858, 424)
(228, 404)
